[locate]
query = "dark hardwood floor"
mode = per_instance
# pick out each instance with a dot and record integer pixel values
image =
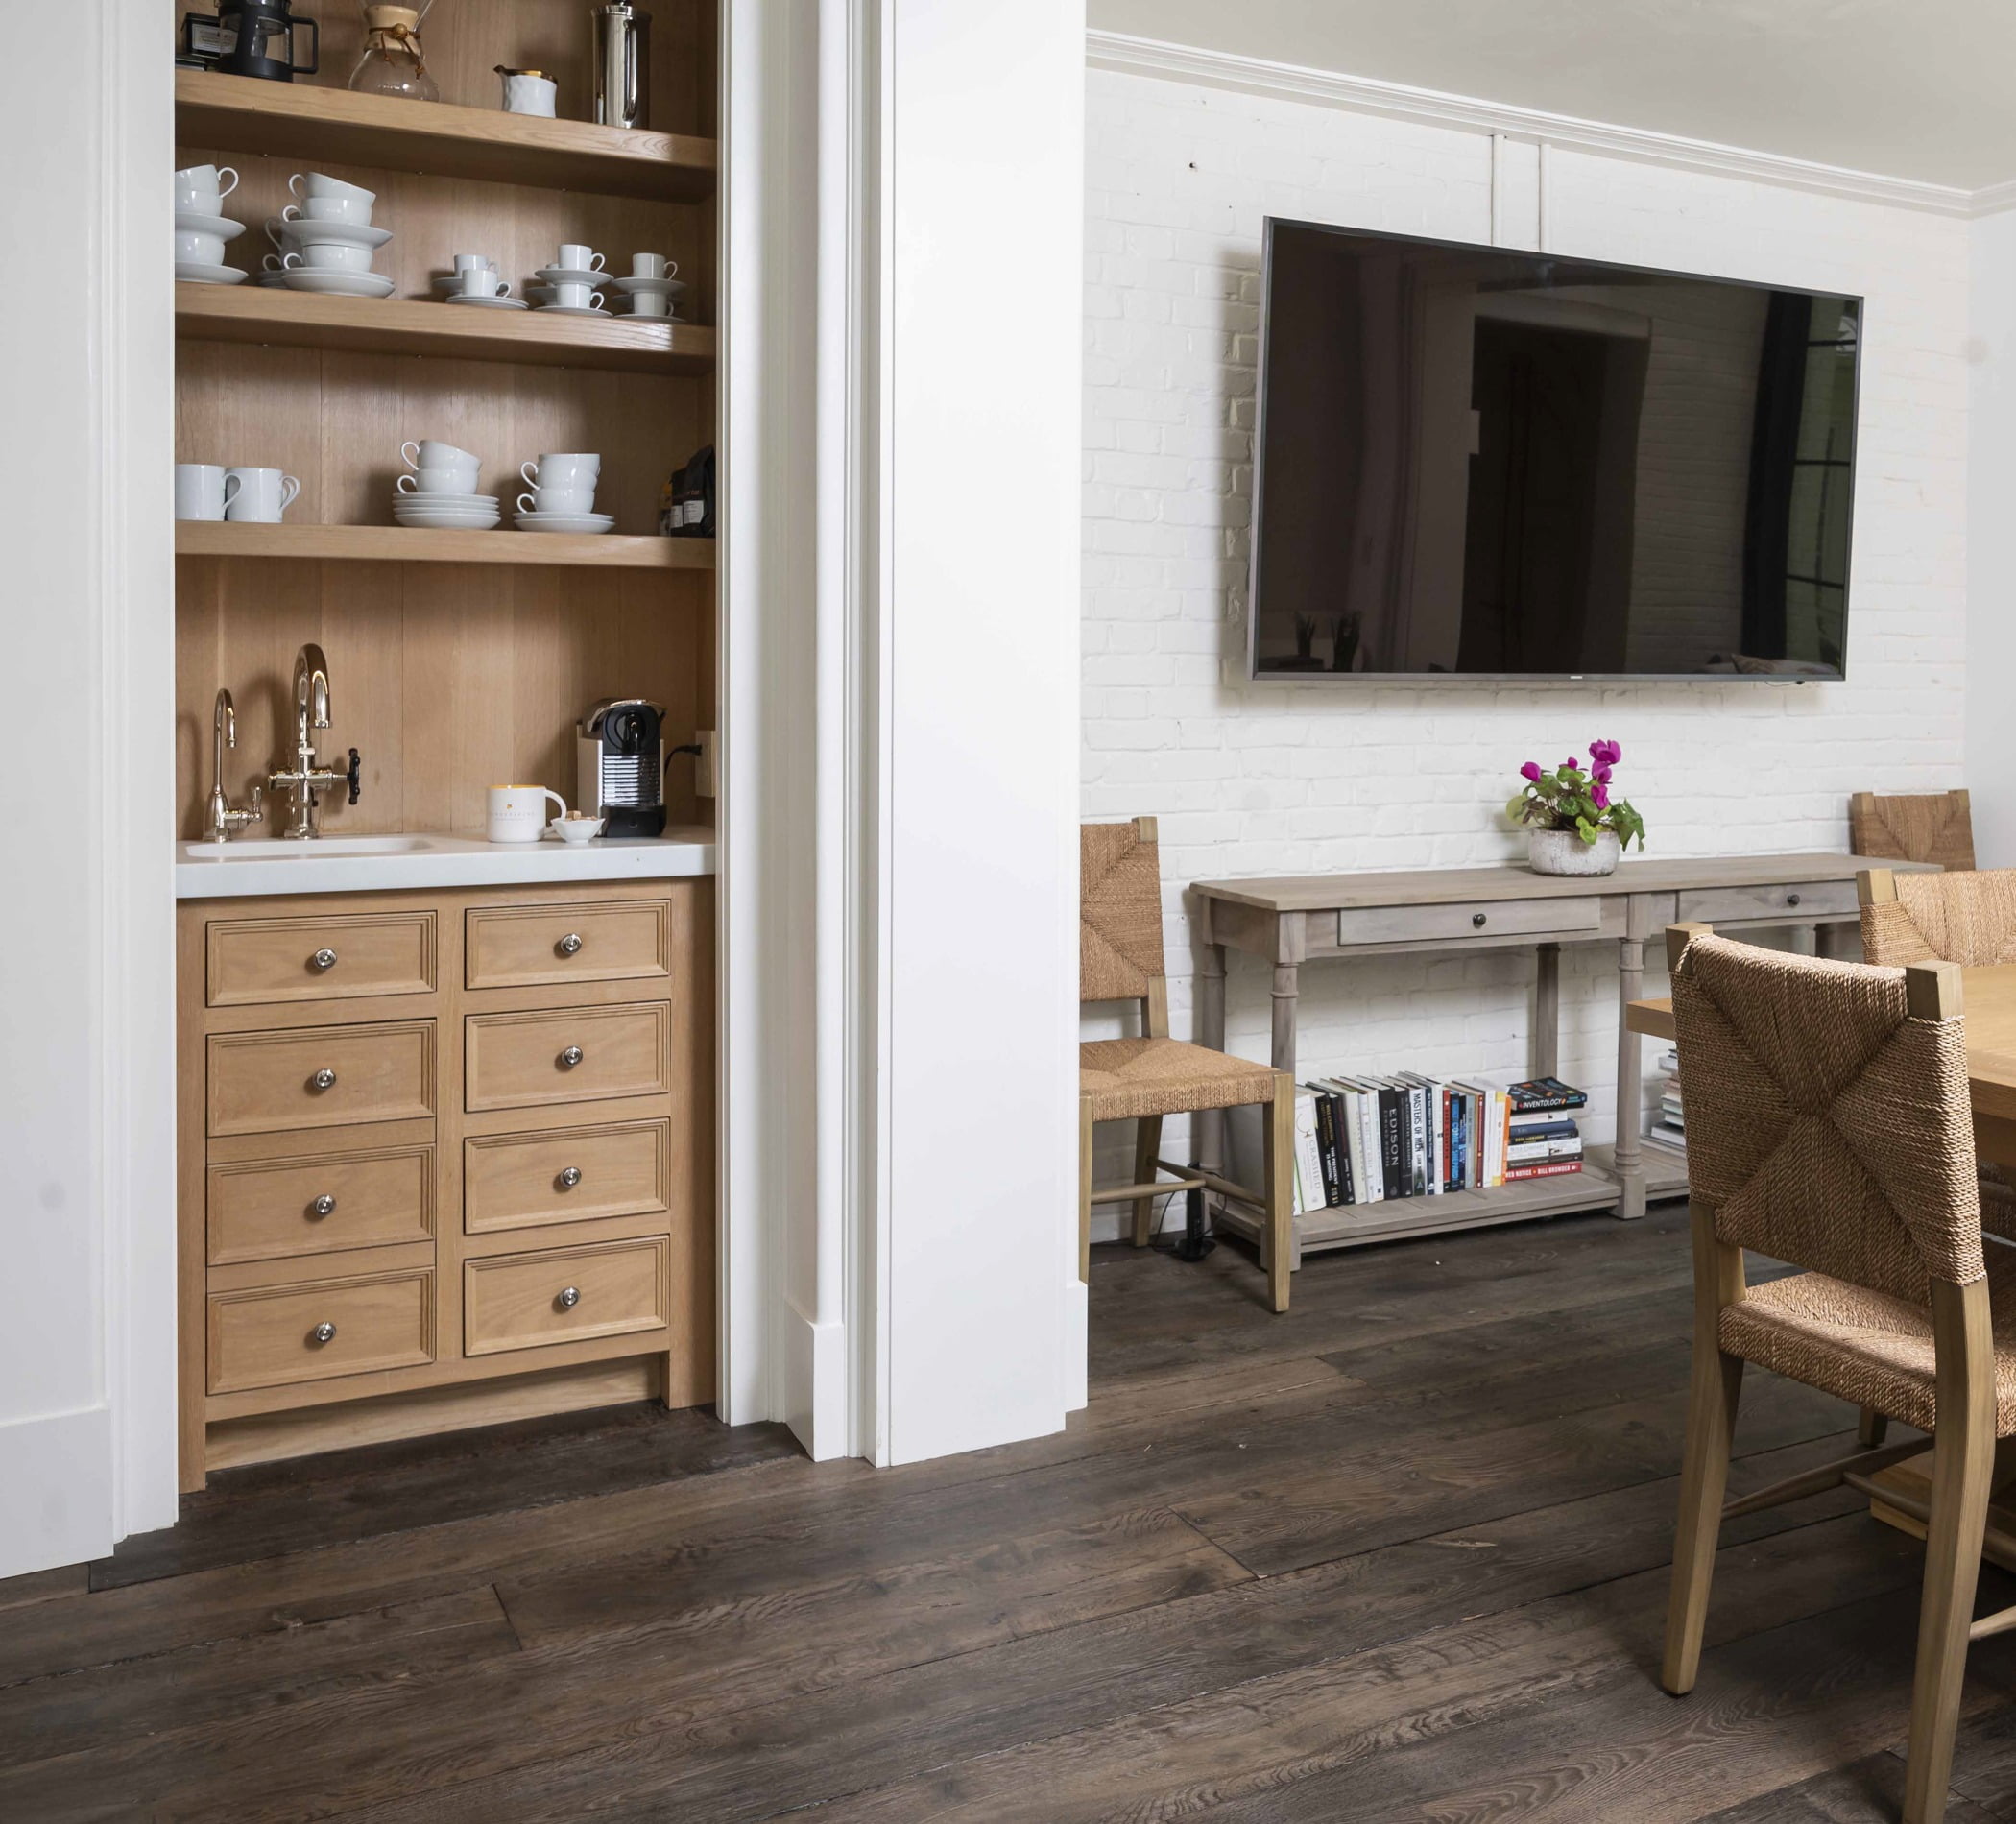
(1399, 1555)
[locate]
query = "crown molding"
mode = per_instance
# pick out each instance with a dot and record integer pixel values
(1398, 100)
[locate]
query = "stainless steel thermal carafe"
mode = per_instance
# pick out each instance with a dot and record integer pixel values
(622, 66)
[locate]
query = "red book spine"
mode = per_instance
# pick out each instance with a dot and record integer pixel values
(1552, 1168)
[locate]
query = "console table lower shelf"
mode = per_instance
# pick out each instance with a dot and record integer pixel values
(1595, 1186)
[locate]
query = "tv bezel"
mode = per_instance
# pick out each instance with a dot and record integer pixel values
(1347, 678)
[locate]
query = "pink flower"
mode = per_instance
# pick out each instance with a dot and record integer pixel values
(1530, 770)
(1605, 752)
(1600, 793)
(1570, 764)
(1601, 774)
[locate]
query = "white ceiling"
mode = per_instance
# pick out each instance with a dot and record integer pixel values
(1906, 88)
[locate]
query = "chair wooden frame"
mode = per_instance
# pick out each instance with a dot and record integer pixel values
(1274, 1200)
(1963, 1466)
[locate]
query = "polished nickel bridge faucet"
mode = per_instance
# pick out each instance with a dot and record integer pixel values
(221, 821)
(305, 780)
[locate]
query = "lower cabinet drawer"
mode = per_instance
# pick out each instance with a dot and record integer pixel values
(1725, 905)
(277, 1334)
(514, 1181)
(523, 946)
(271, 1208)
(321, 1077)
(563, 1295)
(567, 1054)
(326, 956)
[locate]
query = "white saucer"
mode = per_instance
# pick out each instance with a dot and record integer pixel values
(188, 222)
(448, 522)
(491, 303)
(191, 273)
(341, 285)
(446, 282)
(671, 287)
(443, 503)
(572, 276)
(576, 310)
(326, 233)
(565, 522)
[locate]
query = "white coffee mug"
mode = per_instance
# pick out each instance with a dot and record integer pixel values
(324, 257)
(203, 490)
(653, 266)
(263, 496)
(558, 500)
(437, 481)
(201, 188)
(198, 249)
(480, 281)
(518, 813)
(650, 304)
(577, 297)
(577, 256)
(316, 183)
(530, 95)
(571, 469)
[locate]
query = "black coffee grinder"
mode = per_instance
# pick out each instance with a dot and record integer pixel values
(251, 38)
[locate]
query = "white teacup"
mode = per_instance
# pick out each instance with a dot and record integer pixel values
(577, 826)
(468, 262)
(653, 266)
(201, 188)
(650, 304)
(525, 94)
(431, 453)
(437, 481)
(343, 210)
(203, 490)
(263, 496)
(480, 281)
(198, 249)
(569, 469)
(518, 813)
(577, 256)
(325, 256)
(307, 184)
(558, 500)
(577, 297)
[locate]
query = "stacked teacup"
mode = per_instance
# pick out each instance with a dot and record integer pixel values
(324, 240)
(201, 228)
(438, 489)
(653, 287)
(562, 496)
(475, 281)
(570, 283)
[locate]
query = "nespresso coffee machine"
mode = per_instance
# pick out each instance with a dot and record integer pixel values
(620, 750)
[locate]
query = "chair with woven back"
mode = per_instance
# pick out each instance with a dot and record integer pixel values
(1828, 1126)
(1913, 827)
(1144, 1079)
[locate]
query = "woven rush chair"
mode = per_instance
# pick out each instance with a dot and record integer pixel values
(1920, 827)
(1828, 1126)
(1141, 1080)
(1968, 919)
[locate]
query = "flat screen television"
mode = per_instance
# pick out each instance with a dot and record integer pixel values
(1473, 461)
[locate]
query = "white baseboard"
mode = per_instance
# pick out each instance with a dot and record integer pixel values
(815, 1362)
(56, 1490)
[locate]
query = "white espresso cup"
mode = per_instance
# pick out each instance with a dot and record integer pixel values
(200, 189)
(558, 500)
(203, 490)
(577, 256)
(577, 297)
(574, 468)
(653, 266)
(480, 281)
(468, 262)
(525, 94)
(327, 257)
(650, 304)
(198, 249)
(315, 183)
(518, 813)
(263, 496)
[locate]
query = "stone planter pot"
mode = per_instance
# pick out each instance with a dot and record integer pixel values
(1563, 852)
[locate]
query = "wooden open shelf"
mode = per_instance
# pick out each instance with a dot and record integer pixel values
(403, 325)
(239, 113)
(409, 545)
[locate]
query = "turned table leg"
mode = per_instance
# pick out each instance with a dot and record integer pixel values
(1630, 987)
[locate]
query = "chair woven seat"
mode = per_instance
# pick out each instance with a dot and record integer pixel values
(1130, 1078)
(1868, 1347)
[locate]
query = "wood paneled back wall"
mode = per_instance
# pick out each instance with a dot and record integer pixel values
(452, 678)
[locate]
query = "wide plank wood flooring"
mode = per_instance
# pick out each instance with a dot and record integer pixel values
(1398, 1556)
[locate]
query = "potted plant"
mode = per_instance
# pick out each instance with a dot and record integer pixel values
(1573, 824)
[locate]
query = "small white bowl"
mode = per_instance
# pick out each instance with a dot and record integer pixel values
(576, 830)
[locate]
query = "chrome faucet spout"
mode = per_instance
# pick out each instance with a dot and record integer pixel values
(305, 781)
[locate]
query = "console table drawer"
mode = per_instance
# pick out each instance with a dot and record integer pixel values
(1485, 918)
(1811, 900)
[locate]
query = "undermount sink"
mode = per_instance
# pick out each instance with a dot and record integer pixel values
(272, 849)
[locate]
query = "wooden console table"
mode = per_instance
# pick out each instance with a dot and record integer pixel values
(1293, 920)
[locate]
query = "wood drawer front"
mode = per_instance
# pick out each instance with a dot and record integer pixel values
(513, 1180)
(324, 957)
(1792, 905)
(518, 1301)
(268, 1337)
(528, 946)
(1485, 918)
(280, 1208)
(517, 1061)
(262, 1082)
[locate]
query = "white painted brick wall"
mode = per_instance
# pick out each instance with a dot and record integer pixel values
(1278, 779)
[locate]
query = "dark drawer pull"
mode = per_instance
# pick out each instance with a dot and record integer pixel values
(1477, 920)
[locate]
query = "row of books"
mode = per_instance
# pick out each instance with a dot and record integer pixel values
(1370, 1138)
(1667, 1127)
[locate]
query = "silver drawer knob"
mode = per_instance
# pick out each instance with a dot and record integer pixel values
(571, 945)
(323, 1334)
(571, 1057)
(322, 960)
(322, 1080)
(570, 1297)
(570, 1177)
(323, 1206)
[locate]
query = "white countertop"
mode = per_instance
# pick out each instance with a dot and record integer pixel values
(387, 864)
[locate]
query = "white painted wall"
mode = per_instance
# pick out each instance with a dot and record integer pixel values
(1264, 779)
(1991, 539)
(87, 951)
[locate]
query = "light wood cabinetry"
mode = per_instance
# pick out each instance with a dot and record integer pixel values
(332, 956)
(390, 1198)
